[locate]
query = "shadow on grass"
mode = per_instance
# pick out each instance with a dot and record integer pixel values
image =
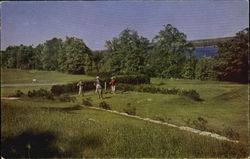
(29, 145)
(42, 145)
(63, 109)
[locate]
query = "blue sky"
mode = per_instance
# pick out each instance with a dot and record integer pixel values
(96, 21)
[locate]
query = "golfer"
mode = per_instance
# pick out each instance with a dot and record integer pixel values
(112, 83)
(80, 85)
(98, 87)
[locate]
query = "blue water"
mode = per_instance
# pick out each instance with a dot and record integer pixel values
(205, 52)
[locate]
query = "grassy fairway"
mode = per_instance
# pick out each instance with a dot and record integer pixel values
(78, 132)
(26, 76)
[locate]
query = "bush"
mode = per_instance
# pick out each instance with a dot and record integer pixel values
(67, 98)
(133, 79)
(86, 102)
(104, 105)
(125, 87)
(89, 85)
(41, 93)
(130, 109)
(18, 93)
(191, 94)
(101, 74)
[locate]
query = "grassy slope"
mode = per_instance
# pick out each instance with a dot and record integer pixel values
(224, 105)
(88, 133)
(26, 76)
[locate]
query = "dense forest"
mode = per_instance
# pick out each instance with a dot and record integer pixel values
(167, 55)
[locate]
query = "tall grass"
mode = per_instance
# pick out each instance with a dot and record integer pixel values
(89, 133)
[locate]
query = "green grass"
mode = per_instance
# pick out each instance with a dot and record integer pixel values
(91, 133)
(25, 76)
(224, 105)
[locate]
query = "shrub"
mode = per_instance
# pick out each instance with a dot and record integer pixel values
(125, 87)
(100, 74)
(130, 109)
(86, 102)
(67, 98)
(133, 79)
(41, 93)
(89, 85)
(18, 93)
(161, 83)
(191, 94)
(104, 105)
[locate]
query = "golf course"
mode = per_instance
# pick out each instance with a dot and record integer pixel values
(125, 79)
(71, 129)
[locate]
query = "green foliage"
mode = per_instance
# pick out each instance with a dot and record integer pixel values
(133, 79)
(232, 59)
(71, 56)
(89, 85)
(131, 110)
(191, 94)
(188, 71)
(152, 89)
(67, 98)
(205, 69)
(22, 57)
(18, 93)
(169, 53)
(75, 56)
(41, 93)
(104, 105)
(50, 53)
(126, 53)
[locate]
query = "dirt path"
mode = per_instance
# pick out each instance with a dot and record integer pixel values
(203, 133)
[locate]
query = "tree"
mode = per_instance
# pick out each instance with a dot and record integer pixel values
(37, 58)
(188, 71)
(170, 48)
(97, 59)
(127, 53)
(50, 53)
(205, 69)
(232, 58)
(75, 56)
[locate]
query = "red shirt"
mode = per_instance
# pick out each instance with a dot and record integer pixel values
(112, 82)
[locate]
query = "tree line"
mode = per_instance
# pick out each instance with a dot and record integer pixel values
(167, 55)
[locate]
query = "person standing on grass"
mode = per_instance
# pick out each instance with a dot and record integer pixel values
(98, 87)
(80, 85)
(112, 83)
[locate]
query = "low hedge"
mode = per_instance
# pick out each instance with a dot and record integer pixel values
(152, 89)
(89, 85)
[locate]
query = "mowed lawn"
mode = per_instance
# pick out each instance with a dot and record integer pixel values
(101, 134)
(10, 76)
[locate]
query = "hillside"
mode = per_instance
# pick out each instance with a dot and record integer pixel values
(209, 42)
